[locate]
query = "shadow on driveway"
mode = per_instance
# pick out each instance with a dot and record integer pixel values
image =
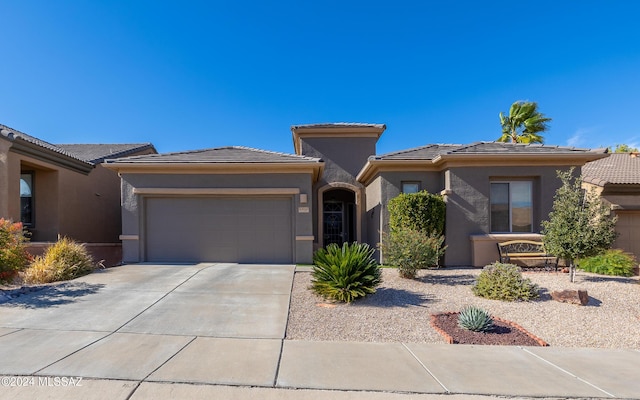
(55, 295)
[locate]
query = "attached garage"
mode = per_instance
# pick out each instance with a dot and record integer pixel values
(617, 180)
(628, 228)
(229, 204)
(221, 229)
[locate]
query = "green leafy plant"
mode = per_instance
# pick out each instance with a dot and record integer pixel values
(523, 123)
(579, 225)
(416, 232)
(500, 281)
(475, 319)
(422, 211)
(345, 273)
(612, 262)
(64, 260)
(411, 250)
(13, 254)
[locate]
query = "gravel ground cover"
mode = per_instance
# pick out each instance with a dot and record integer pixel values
(400, 309)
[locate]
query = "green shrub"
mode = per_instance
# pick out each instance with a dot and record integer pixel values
(411, 250)
(475, 319)
(422, 211)
(612, 262)
(13, 255)
(504, 282)
(64, 260)
(345, 273)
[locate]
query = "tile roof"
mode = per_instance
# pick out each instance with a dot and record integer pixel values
(427, 152)
(13, 134)
(90, 154)
(618, 168)
(232, 154)
(340, 125)
(431, 151)
(97, 153)
(500, 147)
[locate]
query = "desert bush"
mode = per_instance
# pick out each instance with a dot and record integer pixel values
(345, 273)
(411, 250)
(612, 262)
(475, 319)
(504, 282)
(64, 260)
(422, 211)
(13, 255)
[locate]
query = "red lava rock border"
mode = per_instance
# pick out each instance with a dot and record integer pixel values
(450, 340)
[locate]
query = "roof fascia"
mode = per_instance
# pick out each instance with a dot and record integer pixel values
(314, 168)
(516, 159)
(374, 167)
(26, 148)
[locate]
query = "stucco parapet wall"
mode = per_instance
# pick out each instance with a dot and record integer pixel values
(484, 250)
(337, 130)
(315, 168)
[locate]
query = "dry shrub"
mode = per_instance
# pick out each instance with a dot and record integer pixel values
(65, 260)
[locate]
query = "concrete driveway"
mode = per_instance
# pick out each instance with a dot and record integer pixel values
(165, 321)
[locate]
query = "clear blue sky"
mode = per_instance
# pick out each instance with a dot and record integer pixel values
(201, 74)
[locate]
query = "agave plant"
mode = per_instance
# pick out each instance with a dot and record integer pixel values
(345, 273)
(475, 319)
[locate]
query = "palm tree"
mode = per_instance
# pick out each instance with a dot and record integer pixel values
(523, 123)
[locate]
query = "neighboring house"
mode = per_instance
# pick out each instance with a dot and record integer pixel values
(62, 189)
(617, 180)
(236, 204)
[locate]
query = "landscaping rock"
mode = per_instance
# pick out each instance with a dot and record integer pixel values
(579, 297)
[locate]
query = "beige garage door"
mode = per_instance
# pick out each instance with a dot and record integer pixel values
(223, 229)
(628, 227)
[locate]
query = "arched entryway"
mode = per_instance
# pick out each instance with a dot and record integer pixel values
(339, 215)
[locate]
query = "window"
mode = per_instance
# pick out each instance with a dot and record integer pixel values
(26, 198)
(410, 187)
(511, 206)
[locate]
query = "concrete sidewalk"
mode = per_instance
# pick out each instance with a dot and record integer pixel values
(217, 331)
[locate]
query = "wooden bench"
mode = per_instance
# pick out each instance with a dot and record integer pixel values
(526, 250)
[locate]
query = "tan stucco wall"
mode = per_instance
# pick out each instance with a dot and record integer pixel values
(90, 205)
(4, 177)
(68, 203)
(373, 213)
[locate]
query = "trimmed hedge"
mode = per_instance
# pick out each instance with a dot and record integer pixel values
(422, 211)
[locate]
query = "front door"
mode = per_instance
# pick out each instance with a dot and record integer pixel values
(334, 221)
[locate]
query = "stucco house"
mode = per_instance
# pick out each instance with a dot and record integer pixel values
(617, 180)
(236, 204)
(63, 190)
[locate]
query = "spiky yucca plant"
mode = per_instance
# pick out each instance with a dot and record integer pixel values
(345, 273)
(475, 319)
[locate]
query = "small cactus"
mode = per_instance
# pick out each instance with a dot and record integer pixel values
(475, 319)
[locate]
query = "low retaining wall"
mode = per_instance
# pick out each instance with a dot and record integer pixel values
(111, 253)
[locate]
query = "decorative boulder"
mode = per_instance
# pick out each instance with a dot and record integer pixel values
(579, 297)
